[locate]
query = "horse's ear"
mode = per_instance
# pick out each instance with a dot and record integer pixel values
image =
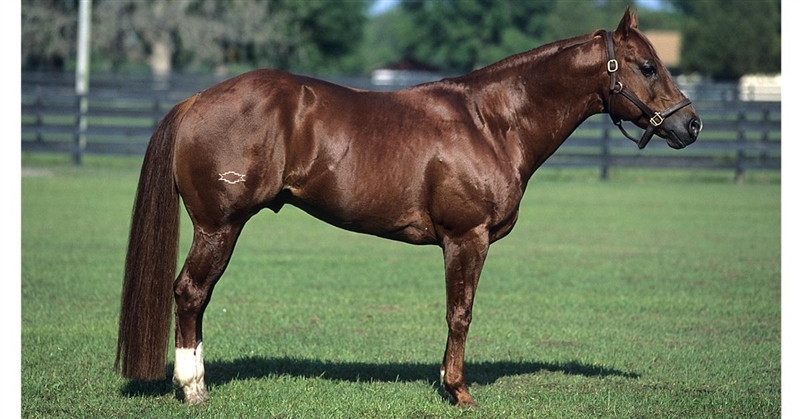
(629, 21)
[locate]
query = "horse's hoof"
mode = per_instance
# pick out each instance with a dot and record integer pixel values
(467, 403)
(462, 399)
(192, 394)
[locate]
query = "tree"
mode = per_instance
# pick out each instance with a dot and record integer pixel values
(247, 34)
(384, 39)
(570, 18)
(131, 30)
(318, 33)
(309, 35)
(728, 39)
(49, 29)
(460, 35)
(465, 34)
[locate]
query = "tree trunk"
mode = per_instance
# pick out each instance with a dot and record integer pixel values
(161, 59)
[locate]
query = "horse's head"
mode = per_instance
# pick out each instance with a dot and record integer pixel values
(642, 90)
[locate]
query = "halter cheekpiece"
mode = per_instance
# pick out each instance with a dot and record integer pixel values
(656, 118)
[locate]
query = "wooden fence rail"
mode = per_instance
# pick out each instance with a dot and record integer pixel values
(737, 135)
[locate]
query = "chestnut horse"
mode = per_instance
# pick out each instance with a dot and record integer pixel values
(443, 163)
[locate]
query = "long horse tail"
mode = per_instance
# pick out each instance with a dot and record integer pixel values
(151, 261)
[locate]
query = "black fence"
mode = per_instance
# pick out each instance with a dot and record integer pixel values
(122, 113)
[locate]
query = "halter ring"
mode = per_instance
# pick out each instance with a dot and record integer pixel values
(612, 65)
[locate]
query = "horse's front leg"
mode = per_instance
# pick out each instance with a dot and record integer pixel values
(205, 263)
(463, 260)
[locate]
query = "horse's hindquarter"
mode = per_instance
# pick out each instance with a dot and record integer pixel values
(408, 165)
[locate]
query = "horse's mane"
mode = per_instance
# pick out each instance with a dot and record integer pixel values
(526, 57)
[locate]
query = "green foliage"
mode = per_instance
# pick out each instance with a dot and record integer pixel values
(321, 32)
(728, 39)
(573, 18)
(721, 39)
(49, 29)
(463, 35)
(384, 39)
(310, 35)
(667, 19)
(654, 295)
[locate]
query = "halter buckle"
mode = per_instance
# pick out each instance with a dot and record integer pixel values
(656, 120)
(612, 65)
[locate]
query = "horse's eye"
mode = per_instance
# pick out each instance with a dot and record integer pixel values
(648, 69)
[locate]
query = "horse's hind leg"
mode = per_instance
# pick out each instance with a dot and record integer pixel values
(205, 263)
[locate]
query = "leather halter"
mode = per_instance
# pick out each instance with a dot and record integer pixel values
(656, 118)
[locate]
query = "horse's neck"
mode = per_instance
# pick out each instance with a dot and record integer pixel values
(537, 99)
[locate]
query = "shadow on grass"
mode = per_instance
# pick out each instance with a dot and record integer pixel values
(221, 372)
(482, 373)
(154, 388)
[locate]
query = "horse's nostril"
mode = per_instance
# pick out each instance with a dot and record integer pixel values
(695, 126)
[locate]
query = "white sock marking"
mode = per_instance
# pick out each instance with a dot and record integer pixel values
(189, 365)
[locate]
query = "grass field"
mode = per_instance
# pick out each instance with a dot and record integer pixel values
(656, 294)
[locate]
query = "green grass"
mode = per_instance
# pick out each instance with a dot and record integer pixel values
(654, 295)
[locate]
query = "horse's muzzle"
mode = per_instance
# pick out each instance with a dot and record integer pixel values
(678, 141)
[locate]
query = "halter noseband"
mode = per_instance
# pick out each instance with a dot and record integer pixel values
(656, 118)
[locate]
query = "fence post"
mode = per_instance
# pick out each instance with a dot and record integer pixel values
(82, 105)
(605, 159)
(39, 122)
(741, 141)
(82, 77)
(156, 111)
(764, 137)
